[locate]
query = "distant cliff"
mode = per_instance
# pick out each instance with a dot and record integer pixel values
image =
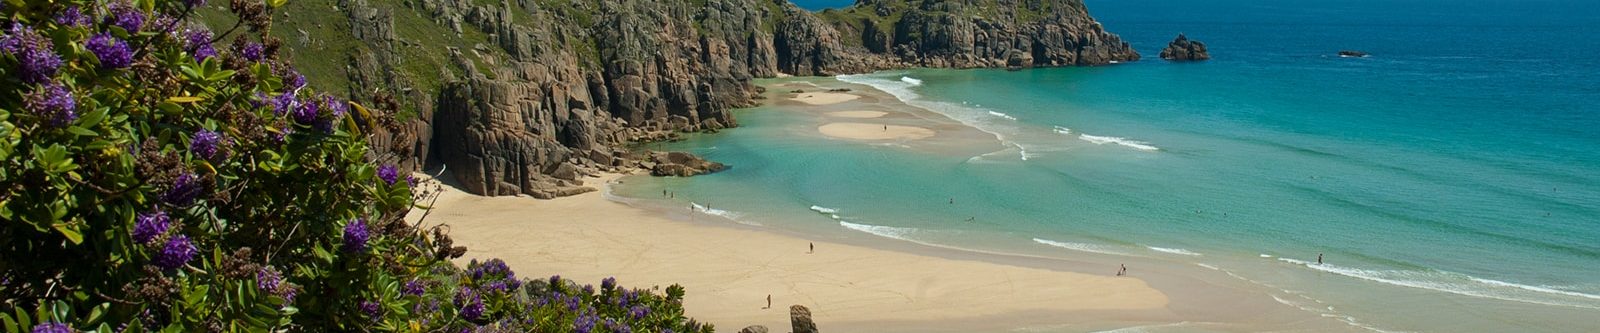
(522, 97)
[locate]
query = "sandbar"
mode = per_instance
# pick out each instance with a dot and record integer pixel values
(867, 131)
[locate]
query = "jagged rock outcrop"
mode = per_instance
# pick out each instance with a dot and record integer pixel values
(1185, 49)
(680, 164)
(549, 91)
(754, 329)
(800, 319)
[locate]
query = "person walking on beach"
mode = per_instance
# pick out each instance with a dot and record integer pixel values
(1319, 258)
(1123, 271)
(769, 302)
(813, 247)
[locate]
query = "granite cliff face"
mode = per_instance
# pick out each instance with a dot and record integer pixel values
(526, 96)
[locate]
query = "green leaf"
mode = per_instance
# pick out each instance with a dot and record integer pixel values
(70, 231)
(93, 117)
(81, 131)
(220, 75)
(169, 107)
(185, 99)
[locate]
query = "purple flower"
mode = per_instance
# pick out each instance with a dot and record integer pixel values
(36, 56)
(473, 309)
(209, 145)
(176, 253)
(584, 323)
(54, 103)
(113, 53)
(124, 15)
(184, 190)
(252, 51)
(197, 41)
(588, 289)
(555, 282)
(608, 283)
(639, 312)
(150, 225)
(388, 174)
(72, 17)
(414, 288)
(292, 80)
(335, 106)
(305, 113)
(52, 327)
(268, 279)
(283, 103)
(372, 309)
(355, 236)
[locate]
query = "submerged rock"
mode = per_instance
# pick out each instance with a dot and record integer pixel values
(1184, 49)
(1352, 54)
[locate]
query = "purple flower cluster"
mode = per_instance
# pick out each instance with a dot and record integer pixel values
(148, 226)
(283, 103)
(372, 309)
(617, 327)
(414, 288)
(471, 304)
(53, 103)
(252, 51)
(608, 283)
(184, 190)
(584, 323)
(355, 236)
(176, 253)
(268, 279)
(335, 106)
(388, 174)
(52, 327)
(72, 17)
(197, 41)
(209, 145)
(292, 80)
(113, 53)
(126, 16)
(639, 312)
(36, 56)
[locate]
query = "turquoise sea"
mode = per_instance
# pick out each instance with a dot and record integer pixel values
(1451, 180)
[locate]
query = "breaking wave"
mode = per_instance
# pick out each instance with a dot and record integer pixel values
(825, 210)
(1002, 115)
(1100, 140)
(1173, 251)
(1091, 248)
(882, 231)
(1462, 284)
(912, 81)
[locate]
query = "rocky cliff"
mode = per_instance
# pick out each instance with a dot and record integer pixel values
(526, 96)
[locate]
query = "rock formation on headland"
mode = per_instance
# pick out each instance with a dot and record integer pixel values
(526, 96)
(1185, 49)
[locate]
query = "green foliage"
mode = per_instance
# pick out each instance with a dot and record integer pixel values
(163, 181)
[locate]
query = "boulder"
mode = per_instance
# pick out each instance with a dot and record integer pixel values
(800, 319)
(1184, 49)
(754, 329)
(681, 164)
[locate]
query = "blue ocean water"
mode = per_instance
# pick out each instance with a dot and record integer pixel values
(1462, 158)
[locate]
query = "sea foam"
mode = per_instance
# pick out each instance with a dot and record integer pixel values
(912, 81)
(731, 216)
(1092, 248)
(1173, 251)
(1002, 115)
(881, 231)
(1100, 140)
(1063, 130)
(1461, 284)
(825, 210)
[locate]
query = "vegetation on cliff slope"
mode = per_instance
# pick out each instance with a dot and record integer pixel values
(159, 176)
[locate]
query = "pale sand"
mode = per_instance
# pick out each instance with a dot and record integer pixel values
(858, 114)
(866, 131)
(729, 271)
(823, 97)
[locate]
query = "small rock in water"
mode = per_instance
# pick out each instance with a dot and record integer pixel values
(1352, 54)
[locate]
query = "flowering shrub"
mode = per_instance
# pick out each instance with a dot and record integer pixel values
(152, 179)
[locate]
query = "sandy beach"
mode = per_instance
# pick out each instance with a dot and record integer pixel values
(824, 97)
(858, 114)
(868, 131)
(729, 271)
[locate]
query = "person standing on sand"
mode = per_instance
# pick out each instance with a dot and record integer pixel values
(813, 247)
(1319, 258)
(1123, 271)
(769, 302)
